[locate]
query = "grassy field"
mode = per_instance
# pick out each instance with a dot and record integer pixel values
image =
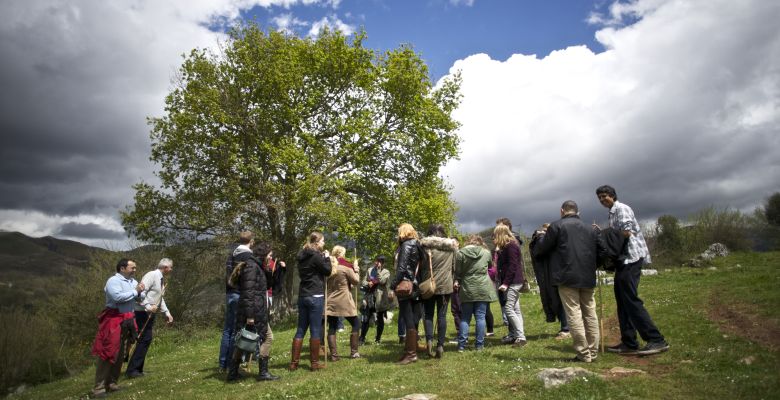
(722, 325)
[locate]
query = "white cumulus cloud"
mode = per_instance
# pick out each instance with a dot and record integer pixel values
(680, 112)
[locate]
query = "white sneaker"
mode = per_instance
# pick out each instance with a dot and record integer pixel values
(562, 335)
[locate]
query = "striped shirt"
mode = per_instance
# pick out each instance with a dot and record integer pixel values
(621, 217)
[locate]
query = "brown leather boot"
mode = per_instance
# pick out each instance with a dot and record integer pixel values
(333, 348)
(296, 353)
(314, 354)
(354, 339)
(410, 350)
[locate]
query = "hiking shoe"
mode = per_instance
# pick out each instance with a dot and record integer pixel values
(577, 360)
(519, 342)
(621, 349)
(134, 374)
(507, 339)
(653, 348)
(562, 335)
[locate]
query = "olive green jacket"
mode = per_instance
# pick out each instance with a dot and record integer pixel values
(471, 266)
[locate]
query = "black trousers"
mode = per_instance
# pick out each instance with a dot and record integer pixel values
(379, 317)
(136, 363)
(632, 314)
(438, 304)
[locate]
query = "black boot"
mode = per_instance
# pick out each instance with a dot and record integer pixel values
(233, 374)
(264, 375)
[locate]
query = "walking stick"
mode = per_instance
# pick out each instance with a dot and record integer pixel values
(356, 286)
(325, 324)
(601, 316)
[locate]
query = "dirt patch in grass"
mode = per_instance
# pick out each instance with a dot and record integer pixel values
(739, 320)
(647, 364)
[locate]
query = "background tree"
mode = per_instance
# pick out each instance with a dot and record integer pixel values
(283, 135)
(772, 209)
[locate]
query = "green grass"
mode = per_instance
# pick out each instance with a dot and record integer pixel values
(704, 362)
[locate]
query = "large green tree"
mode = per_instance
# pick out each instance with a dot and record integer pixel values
(283, 135)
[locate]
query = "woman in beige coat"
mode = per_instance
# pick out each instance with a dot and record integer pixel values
(343, 278)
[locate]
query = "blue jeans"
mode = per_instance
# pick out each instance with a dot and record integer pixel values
(229, 330)
(478, 309)
(310, 316)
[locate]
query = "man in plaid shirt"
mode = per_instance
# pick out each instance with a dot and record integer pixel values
(632, 314)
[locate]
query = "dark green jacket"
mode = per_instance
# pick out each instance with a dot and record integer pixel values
(471, 266)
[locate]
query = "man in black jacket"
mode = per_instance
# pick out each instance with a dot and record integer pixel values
(573, 250)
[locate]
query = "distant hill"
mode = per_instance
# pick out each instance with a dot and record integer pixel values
(34, 267)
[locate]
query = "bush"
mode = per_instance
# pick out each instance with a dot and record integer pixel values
(30, 351)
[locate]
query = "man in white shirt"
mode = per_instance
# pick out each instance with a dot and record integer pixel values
(145, 311)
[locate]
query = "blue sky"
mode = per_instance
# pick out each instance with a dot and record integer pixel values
(444, 32)
(675, 103)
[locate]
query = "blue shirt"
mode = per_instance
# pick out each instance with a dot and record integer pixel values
(121, 293)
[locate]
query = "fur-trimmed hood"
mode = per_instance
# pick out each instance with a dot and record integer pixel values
(440, 243)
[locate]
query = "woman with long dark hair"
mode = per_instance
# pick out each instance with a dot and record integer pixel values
(407, 258)
(313, 268)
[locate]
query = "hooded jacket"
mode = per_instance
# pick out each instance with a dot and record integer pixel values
(471, 272)
(313, 268)
(442, 252)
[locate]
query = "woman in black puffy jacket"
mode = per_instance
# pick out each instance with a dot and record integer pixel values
(249, 277)
(407, 257)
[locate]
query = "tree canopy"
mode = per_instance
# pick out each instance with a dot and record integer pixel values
(282, 135)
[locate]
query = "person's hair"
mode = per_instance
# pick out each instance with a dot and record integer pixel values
(502, 236)
(261, 249)
(505, 221)
(608, 190)
(380, 259)
(246, 237)
(338, 251)
(165, 262)
(475, 240)
(406, 231)
(123, 263)
(436, 230)
(311, 244)
(569, 207)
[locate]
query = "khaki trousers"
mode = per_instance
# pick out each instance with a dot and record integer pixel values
(580, 306)
(265, 348)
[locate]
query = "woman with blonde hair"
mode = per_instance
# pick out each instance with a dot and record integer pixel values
(407, 256)
(511, 276)
(313, 267)
(340, 303)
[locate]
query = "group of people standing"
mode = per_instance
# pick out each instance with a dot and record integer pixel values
(565, 254)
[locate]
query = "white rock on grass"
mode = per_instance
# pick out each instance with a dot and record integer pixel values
(553, 377)
(620, 371)
(649, 272)
(418, 396)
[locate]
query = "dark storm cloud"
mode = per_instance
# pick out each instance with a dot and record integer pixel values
(89, 231)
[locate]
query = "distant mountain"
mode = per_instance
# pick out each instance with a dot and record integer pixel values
(34, 267)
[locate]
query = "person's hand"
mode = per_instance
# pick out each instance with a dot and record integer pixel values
(596, 227)
(151, 308)
(282, 264)
(170, 319)
(140, 288)
(326, 253)
(502, 288)
(456, 285)
(250, 321)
